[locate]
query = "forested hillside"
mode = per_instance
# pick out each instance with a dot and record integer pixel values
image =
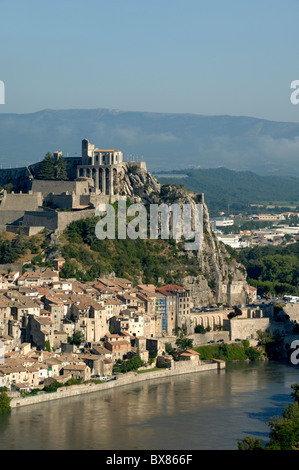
(148, 261)
(224, 188)
(274, 270)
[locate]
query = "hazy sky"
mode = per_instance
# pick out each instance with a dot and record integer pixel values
(235, 57)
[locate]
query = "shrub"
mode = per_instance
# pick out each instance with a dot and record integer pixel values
(4, 402)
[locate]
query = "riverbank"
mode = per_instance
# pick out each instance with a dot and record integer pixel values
(129, 378)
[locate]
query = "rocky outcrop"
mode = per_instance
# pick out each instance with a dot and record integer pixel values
(220, 278)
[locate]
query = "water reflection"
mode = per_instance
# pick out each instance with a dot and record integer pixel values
(209, 410)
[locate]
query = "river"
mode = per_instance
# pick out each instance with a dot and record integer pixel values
(210, 410)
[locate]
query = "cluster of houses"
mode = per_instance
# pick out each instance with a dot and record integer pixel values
(40, 315)
(274, 236)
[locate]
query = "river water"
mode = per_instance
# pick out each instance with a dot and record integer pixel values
(210, 410)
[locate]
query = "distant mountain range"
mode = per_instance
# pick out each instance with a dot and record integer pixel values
(165, 141)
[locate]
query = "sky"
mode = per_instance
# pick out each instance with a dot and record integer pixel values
(210, 57)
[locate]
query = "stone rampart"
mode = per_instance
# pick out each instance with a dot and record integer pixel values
(21, 201)
(8, 217)
(58, 187)
(201, 339)
(241, 328)
(21, 177)
(43, 218)
(65, 218)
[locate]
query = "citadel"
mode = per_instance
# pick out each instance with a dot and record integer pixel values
(93, 179)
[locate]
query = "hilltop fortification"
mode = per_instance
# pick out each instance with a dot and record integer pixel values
(101, 176)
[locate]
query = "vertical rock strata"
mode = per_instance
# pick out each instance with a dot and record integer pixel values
(220, 278)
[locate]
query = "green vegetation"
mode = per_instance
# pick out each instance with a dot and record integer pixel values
(173, 352)
(202, 330)
(145, 371)
(53, 169)
(8, 187)
(271, 343)
(4, 401)
(77, 338)
(88, 257)
(183, 342)
(235, 190)
(228, 352)
(55, 384)
(20, 246)
(128, 365)
(273, 270)
(284, 431)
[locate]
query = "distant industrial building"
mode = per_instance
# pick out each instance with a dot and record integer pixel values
(220, 222)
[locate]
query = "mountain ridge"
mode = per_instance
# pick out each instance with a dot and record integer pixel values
(238, 189)
(164, 140)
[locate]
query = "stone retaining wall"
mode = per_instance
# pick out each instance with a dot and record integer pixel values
(247, 328)
(130, 378)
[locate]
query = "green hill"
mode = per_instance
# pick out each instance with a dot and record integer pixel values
(226, 189)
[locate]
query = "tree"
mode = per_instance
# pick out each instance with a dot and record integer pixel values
(295, 392)
(47, 171)
(284, 434)
(4, 402)
(284, 430)
(53, 386)
(183, 342)
(77, 338)
(200, 329)
(249, 443)
(127, 365)
(60, 169)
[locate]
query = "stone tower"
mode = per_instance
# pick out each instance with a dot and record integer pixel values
(102, 166)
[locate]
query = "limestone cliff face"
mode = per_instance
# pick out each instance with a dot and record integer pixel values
(220, 278)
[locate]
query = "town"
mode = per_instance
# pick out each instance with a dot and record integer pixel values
(55, 328)
(277, 229)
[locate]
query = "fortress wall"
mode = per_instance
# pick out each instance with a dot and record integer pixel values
(65, 218)
(141, 165)
(236, 293)
(19, 177)
(71, 167)
(58, 187)
(84, 200)
(27, 231)
(64, 201)
(44, 218)
(200, 339)
(10, 216)
(245, 328)
(20, 202)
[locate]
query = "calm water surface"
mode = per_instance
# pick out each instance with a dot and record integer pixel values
(211, 410)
